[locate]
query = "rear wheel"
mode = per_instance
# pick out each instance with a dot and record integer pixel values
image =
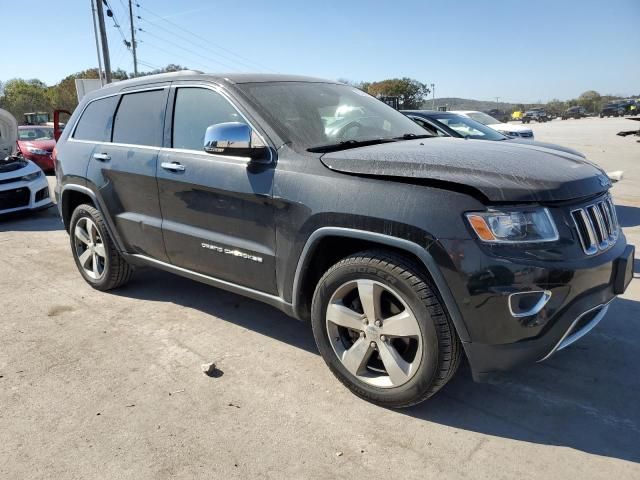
(96, 257)
(382, 330)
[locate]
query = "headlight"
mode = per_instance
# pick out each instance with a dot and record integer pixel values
(31, 176)
(37, 151)
(509, 134)
(518, 226)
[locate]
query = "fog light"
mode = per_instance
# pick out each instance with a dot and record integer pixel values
(527, 304)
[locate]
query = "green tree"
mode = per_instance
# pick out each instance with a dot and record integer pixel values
(411, 92)
(22, 96)
(591, 100)
(555, 106)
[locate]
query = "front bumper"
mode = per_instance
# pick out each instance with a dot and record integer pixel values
(23, 196)
(580, 291)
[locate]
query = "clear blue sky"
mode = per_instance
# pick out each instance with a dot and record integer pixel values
(517, 50)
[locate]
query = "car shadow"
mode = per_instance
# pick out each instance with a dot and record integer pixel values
(160, 286)
(628, 216)
(41, 221)
(584, 397)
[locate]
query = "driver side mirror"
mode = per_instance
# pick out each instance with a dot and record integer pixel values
(234, 139)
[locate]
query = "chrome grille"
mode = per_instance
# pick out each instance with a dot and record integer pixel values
(597, 225)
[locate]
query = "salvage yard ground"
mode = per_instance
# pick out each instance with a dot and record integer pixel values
(109, 385)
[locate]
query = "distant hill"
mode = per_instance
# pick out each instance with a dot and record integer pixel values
(468, 104)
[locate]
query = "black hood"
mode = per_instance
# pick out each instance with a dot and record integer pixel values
(552, 146)
(501, 171)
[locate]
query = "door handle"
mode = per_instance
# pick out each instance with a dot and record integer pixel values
(103, 157)
(173, 166)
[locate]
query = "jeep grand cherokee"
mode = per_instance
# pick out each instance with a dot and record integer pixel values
(404, 251)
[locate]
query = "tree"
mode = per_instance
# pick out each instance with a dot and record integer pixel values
(556, 107)
(22, 96)
(411, 92)
(591, 100)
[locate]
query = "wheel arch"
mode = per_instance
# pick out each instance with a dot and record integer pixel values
(73, 195)
(349, 241)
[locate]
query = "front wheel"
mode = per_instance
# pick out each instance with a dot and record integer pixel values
(382, 330)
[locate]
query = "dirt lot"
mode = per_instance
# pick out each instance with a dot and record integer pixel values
(96, 385)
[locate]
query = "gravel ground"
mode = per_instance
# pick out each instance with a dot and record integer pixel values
(109, 385)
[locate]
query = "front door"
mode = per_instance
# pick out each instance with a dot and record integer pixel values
(217, 210)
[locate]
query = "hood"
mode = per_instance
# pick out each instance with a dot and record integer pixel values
(10, 165)
(8, 133)
(551, 146)
(509, 127)
(47, 145)
(501, 171)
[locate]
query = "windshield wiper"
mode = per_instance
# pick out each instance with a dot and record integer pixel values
(346, 144)
(413, 136)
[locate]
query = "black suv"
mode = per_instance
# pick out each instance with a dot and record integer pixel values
(404, 250)
(574, 112)
(536, 114)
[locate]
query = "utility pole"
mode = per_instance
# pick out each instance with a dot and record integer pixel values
(133, 41)
(497, 100)
(95, 33)
(433, 97)
(103, 42)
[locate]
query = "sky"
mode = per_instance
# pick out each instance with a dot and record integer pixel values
(517, 50)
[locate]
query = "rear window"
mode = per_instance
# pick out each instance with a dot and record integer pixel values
(140, 118)
(97, 118)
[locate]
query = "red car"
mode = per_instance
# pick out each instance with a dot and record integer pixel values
(36, 143)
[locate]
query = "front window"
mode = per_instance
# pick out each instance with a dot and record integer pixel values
(467, 127)
(483, 118)
(195, 110)
(314, 114)
(35, 133)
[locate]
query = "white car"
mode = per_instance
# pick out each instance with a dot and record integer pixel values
(23, 185)
(508, 129)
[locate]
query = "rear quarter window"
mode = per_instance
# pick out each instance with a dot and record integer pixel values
(96, 120)
(140, 118)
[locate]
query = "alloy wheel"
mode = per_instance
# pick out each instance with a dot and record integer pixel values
(89, 248)
(374, 333)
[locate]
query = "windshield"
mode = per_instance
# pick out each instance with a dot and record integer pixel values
(314, 114)
(468, 127)
(35, 133)
(483, 118)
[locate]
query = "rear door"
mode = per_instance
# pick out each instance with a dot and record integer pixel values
(217, 210)
(124, 170)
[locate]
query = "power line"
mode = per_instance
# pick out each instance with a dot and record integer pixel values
(181, 59)
(208, 42)
(186, 49)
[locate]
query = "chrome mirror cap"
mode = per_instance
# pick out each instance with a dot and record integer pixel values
(234, 139)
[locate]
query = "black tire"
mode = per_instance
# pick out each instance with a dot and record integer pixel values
(116, 271)
(441, 351)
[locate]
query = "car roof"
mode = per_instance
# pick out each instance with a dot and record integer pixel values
(24, 127)
(429, 112)
(195, 75)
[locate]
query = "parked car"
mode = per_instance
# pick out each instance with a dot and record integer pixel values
(537, 115)
(403, 250)
(574, 112)
(499, 115)
(613, 109)
(23, 186)
(36, 143)
(508, 129)
(449, 124)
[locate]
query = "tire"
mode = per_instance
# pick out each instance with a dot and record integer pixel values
(95, 254)
(426, 340)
